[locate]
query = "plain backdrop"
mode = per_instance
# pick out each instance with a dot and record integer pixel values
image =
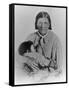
(25, 25)
(4, 44)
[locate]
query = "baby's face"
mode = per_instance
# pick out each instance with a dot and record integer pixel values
(28, 53)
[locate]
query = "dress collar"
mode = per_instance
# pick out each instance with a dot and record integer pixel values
(42, 35)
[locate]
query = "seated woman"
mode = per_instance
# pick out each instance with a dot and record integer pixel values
(46, 41)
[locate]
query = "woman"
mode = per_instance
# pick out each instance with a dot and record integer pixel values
(46, 42)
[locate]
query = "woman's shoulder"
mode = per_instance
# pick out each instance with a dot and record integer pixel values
(56, 39)
(53, 35)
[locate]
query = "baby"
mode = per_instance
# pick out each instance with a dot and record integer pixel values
(35, 60)
(27, 50)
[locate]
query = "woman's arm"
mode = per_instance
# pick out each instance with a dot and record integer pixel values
(56, 55)
(41, 59)
(38, 58)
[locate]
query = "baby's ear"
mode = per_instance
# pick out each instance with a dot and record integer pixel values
(32, 48)
(36, 43)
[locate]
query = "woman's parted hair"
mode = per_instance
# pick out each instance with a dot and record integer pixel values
(41, 15)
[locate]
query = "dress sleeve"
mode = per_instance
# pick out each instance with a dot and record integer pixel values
(56, 54)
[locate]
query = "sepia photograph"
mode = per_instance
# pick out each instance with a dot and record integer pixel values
(40, 55)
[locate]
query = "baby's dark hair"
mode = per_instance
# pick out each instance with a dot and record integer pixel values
(24, 47)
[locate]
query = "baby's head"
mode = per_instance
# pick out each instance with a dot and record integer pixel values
(26, 47)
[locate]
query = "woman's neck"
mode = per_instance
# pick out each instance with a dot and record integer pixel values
(42, 35)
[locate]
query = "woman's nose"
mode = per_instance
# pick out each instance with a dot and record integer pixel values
(43, 24)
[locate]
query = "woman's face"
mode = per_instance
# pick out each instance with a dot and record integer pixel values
(43, 25)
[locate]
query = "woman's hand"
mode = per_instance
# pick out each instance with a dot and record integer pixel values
(33, 65)
(31, 60)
